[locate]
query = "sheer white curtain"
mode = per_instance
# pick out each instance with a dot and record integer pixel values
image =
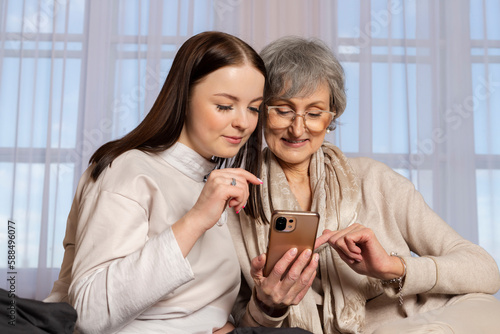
(74, 74)
(423, 80)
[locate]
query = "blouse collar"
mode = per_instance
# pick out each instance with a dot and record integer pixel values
(187, 161)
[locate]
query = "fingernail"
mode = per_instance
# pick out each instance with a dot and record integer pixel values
(308, 253)
(238, 211)
(260, 181)
(294, 251)
(316, 257)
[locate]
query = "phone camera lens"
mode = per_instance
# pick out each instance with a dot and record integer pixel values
(281, 223)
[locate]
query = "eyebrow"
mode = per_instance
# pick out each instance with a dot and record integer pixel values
(236, 99)
(308, 105)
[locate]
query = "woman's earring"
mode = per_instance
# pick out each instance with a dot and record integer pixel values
(328, 131)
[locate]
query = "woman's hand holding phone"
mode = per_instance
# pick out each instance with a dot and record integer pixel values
(277, 292)
(282, 276)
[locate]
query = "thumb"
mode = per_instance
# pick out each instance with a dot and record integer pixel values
(258, 264)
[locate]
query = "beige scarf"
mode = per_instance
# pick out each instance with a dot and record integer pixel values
(336, 197)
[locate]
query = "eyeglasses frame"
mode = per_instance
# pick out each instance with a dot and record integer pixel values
(300, 115)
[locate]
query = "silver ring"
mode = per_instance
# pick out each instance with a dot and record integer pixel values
(233, 182)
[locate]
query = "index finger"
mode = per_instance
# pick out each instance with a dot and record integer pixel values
(249, 177)
(282, 265)
(327, 234)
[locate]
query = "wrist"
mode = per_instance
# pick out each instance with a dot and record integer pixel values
(257, 316)
(398, 281)
(396, 268)
(270, 310)
(196, 222)
(186, 232)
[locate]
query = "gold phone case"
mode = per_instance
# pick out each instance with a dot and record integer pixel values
(300, 232)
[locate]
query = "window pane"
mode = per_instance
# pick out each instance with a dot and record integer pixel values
(134, 18)
(389, 111)
(170, 17)
(8, 101)
(28, 200)
(476, 19)
(76, 16)
(200, 18)
(6, 180)
(61, 196)
(347, 132)
(486, 98)
(398, 17)
(492, 20)
(488, 209)
(14, 19)
(129, 95)
(348, 21)
(38, 104)
(64, 126)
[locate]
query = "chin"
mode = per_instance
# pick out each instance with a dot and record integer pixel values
(228, 154)
(292, 159)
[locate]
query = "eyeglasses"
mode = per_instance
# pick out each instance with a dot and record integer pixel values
(314, 120)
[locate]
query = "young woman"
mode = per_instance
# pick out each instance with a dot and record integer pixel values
(146, 248)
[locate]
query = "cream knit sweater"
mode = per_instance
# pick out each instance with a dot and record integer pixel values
(443, 265)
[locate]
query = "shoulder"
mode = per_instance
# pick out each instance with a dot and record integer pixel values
(130, 163)
(373, 173)
(132, 172)
(365, 166)
(133, 159)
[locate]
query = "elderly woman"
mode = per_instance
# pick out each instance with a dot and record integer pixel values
(363, 277)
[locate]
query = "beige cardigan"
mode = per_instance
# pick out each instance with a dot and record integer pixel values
(448, 264)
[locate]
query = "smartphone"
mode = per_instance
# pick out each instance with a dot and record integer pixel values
(290, 229)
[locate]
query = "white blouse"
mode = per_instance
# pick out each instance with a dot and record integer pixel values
(123, 270)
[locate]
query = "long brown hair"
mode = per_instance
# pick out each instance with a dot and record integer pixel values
(199, 56)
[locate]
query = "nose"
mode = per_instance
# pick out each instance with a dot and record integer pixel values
(241, 119)
(298, 126)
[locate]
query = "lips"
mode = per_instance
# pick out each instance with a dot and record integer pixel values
(233, 140)
(297, 141)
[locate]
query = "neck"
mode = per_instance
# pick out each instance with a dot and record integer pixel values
(295, 173)
(297, 176)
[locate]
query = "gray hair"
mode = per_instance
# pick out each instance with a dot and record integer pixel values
(296, 66)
